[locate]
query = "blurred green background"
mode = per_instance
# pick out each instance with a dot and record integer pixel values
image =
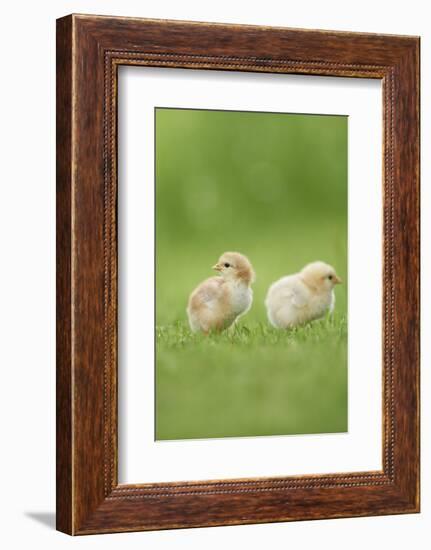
(273, 187)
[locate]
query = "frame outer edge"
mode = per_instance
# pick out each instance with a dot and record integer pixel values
(64, 368)
(81, 505)
(407, 295)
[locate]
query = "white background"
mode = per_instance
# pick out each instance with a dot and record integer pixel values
(141, 458)
(27, 125)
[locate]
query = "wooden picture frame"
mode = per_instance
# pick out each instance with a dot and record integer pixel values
(89, 51)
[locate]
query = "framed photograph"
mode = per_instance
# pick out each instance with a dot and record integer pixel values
(237, 274)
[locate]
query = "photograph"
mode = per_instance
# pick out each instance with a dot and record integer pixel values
(251, 273)
(212, 221)
(237, 258)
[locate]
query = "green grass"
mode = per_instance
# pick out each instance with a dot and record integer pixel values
(274, 187)
(251, 380)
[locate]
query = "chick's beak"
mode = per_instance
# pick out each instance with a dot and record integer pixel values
(337, 280)
(217, 267)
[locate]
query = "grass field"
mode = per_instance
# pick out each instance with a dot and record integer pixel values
(253, 380)
(273, 187)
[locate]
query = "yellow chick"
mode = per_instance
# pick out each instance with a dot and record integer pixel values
(218, 301)
(302, 297)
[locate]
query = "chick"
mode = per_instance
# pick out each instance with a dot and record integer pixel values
(218, 301)
(302, 297)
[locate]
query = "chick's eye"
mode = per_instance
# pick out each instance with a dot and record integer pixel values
(330, 277)
(227, 265)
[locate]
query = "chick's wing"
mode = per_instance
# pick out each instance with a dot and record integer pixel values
(209, 291)
(294, 292)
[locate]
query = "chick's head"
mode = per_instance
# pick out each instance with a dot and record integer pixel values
(235, 267)
(320, 276)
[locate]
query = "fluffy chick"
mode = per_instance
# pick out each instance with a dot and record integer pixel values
(218, 301)
(302, 297)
